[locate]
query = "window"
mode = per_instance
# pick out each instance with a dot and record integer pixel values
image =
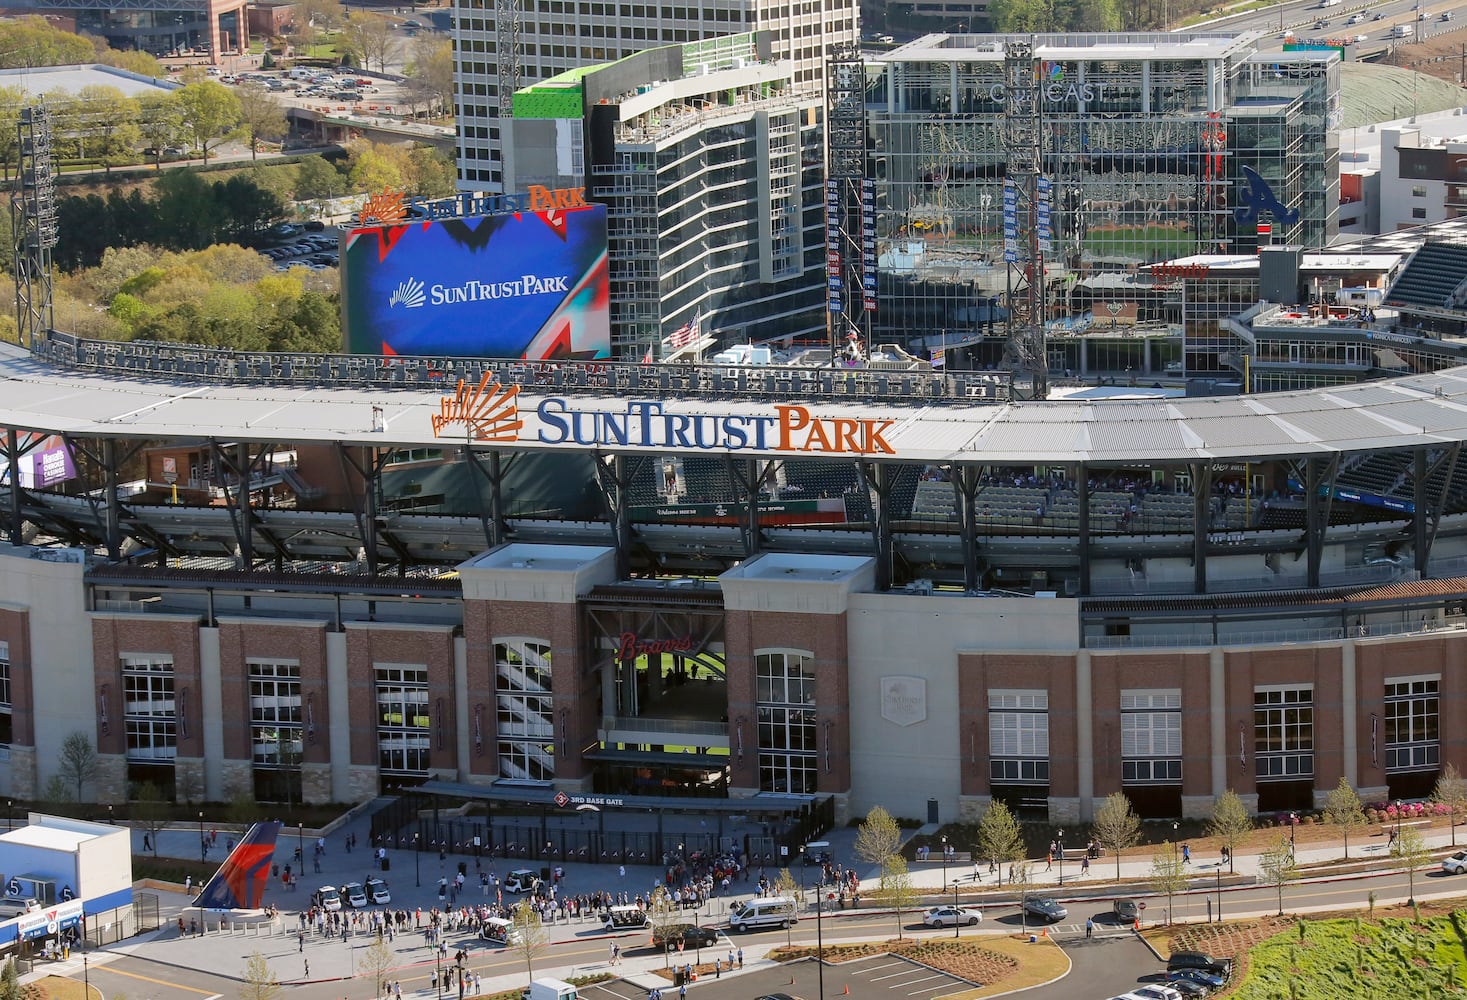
(5, 704)
(1151, 737)
(785, 684)
(1283, 732)
(275, 714)
(149, 710)
(1412, 708)
(1418, 213)
(526, 721)
(402, 719)
(1018, 737)
(1418, 190)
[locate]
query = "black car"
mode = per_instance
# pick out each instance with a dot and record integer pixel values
(1188, 987)
(1125, 911)
(1044, 908)
(688, 935)
(1199, 960)
(315, 226)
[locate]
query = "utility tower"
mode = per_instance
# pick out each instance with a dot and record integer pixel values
(850, 207)
(1026, 216)
(33, 221)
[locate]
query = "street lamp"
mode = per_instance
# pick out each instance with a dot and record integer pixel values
(820, 939)
(1059, 842)
(944, 864)
(110, 820)
(203, 844)
(438, 965)
(955, 909)
(1219, 892)
(1293, 831)
(300, 846)
(417, 872)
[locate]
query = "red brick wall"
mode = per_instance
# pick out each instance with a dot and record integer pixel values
(15, 629)
(368, 647)
(1055, 673)
(304, 644)
(112, 637)
(1110, 674)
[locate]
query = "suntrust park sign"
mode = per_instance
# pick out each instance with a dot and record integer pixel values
(488, 413)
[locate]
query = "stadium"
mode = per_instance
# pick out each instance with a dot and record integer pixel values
(678, 584)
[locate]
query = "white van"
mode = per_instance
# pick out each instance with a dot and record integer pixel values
(622, 917)
(1400, 30)
(771, 911)
(303, 72)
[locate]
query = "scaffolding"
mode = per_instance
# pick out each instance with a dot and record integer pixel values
(33, 221)
(1026, 221)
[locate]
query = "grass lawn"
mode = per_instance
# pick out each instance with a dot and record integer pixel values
(60, 988)
(1342, 957)
(1001, 964)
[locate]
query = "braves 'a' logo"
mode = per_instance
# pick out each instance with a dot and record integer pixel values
(1258, 197)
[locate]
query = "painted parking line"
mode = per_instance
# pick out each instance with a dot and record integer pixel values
(878, 968)
(924, 979)
(907, 971)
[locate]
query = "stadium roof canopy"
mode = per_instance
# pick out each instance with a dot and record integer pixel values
(1397, 413)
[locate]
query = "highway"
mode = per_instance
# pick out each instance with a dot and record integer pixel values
(1376, 21)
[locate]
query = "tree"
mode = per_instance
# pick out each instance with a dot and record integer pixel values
(1412, 853)
(209, 112)
(1451, 791)
(1230, 822)
(258, 981)
(785, 885)
(529, 936)
(895, 888)
(260, 116)
(160, 122)
(1022, 876)
(1021, 16)
(429, 72)
(316, 178)
(376, 961)
(1342, 810)
(1277, 866)
(999, 838)
(878, 838)
(109, 118)
(1116, 826)
(77, 762)
(1168, 874)
(372, 39)
(664, 915)
(150, 811)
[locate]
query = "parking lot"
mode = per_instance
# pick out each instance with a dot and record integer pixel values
(883, 977)
(314, 246)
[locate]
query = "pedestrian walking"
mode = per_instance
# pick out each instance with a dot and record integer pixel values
(188, 885)
(1186, 854)
(741, 958)
(1089, 927)
(147, 844)
(717, 968)
(301, 942)
(308, 969)
(1085, 865)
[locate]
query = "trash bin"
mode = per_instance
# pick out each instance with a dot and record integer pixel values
(386, 864)
(463, 867)
(677, 977)
(545, 874)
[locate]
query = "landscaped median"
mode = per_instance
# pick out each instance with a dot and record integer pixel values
(1392, 954)
(999, 964)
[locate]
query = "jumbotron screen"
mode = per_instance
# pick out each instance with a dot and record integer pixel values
(532, 285)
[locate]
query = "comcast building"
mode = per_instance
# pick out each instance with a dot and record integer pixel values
(1155, 146)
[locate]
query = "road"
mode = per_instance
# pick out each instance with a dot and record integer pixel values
(172, 968)
(1303, 16)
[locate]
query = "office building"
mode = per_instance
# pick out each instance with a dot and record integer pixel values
(560, 35)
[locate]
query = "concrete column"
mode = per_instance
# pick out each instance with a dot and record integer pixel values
(1217, 705)
(1349, 715)
(211, 713)
(1084, 737)
(463, 745)
(338, 729)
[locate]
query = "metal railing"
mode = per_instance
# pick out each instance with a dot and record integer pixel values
(187, 362)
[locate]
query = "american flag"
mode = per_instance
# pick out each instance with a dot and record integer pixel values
(685, 334)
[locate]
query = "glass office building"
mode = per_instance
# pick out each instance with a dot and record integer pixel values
(1156, 146)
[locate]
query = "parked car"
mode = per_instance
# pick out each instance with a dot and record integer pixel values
(354, 894)
(1126, 911)
(688, 935)
(1456, 864)
(1188, 987)
(315, 226)
(1044, 908)
(521, 880)
(1155, 991)
(328, 898)
(949, 916)
(1199, 960)
(1210, 980)
(377, 891)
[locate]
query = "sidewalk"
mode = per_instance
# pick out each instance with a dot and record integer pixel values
(332, 959)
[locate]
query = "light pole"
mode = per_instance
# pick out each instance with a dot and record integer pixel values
(438, 964)
(417, 871)
(1219, 892)
(110, 820)
(203, 844)
(86, 973)
(9, 804)
(300, 846)
(944, 864)
(955, 909)
(1059, 842)
(820, 939)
